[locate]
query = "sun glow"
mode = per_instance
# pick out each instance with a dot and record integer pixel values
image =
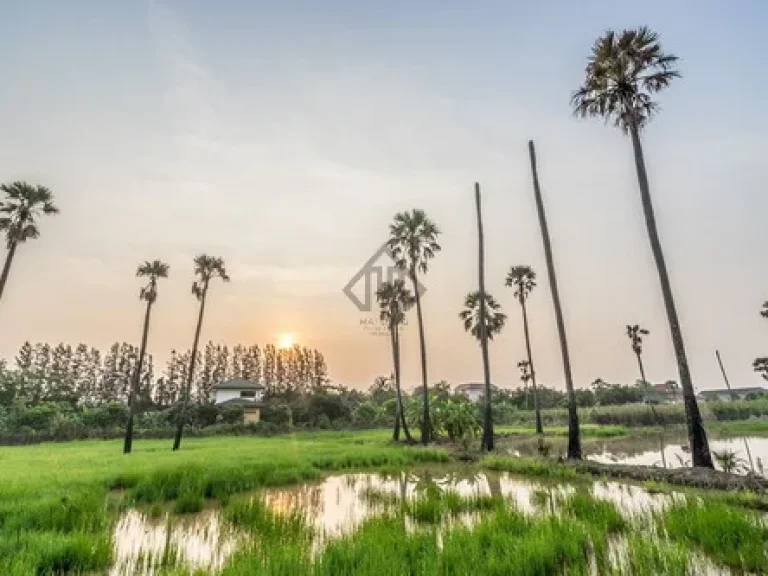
(285, 341)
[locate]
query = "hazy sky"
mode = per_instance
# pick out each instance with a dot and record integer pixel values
(283, 136)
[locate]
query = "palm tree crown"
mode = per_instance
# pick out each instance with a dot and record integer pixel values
(413, 240)
(153, 271)
(394, 300)
(22, 206)
(635, 335)
(523, 278)
(623, 72)
(206, 268)
(494, 317)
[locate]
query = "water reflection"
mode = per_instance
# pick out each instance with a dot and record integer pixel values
(341, 503)
(668, 450)
(145, 545)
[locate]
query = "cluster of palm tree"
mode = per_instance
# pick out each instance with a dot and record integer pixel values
(625, 70)
(206, 269)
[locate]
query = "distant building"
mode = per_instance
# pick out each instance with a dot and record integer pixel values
(668, 391)
(472, 390)
(243, 393)
(724, 394)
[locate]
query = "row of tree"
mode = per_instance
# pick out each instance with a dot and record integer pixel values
(83, 375)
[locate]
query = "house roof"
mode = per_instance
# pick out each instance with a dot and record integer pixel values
(722, 391)
(238, 384)
(242, 402)
(471, 386)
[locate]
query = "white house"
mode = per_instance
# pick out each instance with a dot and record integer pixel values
(239, 392)
(472, 390)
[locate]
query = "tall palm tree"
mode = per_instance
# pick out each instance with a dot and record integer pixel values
(394, 300)
(153, 271)
(574, 434)
(635, 334)
(206, 269)
(624, 72)
(413, 243)
(22, 205)
(475, 316)
(484, 320)
(523, 279)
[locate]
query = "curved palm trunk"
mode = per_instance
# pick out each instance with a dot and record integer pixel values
(400, 411)
(128, 442)
(539, 426)
(574, 435)
(487, 443)
(190, 373)
(426, 425)
(697, 436)
(7, 266)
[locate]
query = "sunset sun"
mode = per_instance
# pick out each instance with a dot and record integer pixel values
(285, 341)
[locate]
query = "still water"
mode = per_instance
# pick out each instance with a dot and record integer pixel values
(340, 503)
(751, 452)
(337, 506)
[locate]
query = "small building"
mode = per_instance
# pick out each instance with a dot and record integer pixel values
(668, 391)
(724, 395)
(243, 393)
(475, 391)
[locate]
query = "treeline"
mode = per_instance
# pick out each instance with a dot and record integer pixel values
(83, 375)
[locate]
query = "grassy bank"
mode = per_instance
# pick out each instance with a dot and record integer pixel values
(56, 514)
(636, 415)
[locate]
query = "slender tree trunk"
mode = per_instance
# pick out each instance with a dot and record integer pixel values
(697, 436)
(733, 399)
(487, 443)
(190, 373)
(651, 407)
(7, 266)
(399, 410)
(128, 442)
(426, 425)
(574, 434)
(539, 426)
(642, 368)
(725, 376)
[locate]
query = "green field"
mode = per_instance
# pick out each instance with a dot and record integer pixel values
(59, 504)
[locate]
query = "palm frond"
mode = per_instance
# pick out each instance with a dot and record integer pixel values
(622, 73)
(470, 315)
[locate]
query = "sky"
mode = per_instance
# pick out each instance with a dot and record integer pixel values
(283, 137)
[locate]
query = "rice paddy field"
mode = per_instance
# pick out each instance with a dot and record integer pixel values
(353, 503)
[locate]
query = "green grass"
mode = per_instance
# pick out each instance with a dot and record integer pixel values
(54, 504)
(729, 535)
(651, 557)
(587, 431)
(536, 467)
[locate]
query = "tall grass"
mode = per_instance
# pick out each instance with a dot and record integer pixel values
(730, 535)
(537, 467)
